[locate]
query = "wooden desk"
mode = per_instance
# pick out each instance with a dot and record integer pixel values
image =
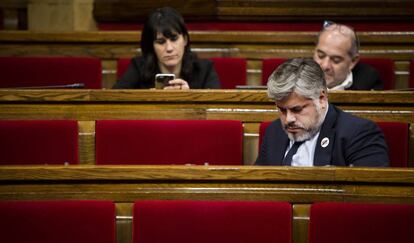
(125, 184)
(250, 107)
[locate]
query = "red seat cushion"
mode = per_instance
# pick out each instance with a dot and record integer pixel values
(169, 142)
(361, 223)
(38, 142)
(57, 221)
(50, 71)
(386, 69)
(211, 221)
(268, 66)
(122, 66)
(397, 135)
(232, 71)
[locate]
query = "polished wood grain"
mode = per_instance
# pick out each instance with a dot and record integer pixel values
(250, 10)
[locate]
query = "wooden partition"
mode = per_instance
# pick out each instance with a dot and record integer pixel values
(251, 107)
(125, 184)
(252, 45)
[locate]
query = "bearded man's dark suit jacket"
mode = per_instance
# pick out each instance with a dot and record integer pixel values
(352, 140)
(365, 77)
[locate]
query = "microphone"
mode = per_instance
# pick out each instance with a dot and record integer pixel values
(63, 86)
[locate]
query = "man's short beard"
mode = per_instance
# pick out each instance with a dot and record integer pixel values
(311, 131)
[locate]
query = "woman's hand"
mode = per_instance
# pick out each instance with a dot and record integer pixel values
(177, 84)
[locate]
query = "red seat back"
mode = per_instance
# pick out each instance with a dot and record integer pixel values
(169, 142)
(38, 142)
(396, 135)
(232, 71)
(50, 71)
(386, 69)
(122, 66)
(211, 221)
(57, 221)
(268, 66)
(361, 223)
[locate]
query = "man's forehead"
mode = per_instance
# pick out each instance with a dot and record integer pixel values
(293, 100)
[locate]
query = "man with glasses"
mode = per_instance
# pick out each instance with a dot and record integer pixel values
(312, 132)
(337, 54)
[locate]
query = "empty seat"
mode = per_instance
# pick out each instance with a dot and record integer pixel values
(232, 71)
(268, 66)
(386, 69)
(396, 135)
(361, 223)
(211, 221)
(57, 221)
(50, 71)
(169, 142)
(38, 142)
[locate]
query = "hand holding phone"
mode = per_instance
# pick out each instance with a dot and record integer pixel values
(162, 80)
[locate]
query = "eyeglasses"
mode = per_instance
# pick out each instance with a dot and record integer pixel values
(344, 29)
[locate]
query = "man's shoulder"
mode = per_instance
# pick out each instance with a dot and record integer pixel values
(348, 121)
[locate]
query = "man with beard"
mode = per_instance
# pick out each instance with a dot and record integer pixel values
(312, 132)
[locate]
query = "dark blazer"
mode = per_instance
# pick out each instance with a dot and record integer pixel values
(352, 140)
(204, 76)
(365, 77)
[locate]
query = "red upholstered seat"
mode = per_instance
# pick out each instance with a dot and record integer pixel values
(211, 221)
(38, 142)
(232, 71)
(169, 142)
(50, 71)
(268, 66)
(396, 135)
(361, 223)
(386, 69)
(122, 66)
(57, 221)
(411, 84)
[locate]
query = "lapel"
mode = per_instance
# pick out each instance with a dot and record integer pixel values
(281, 145)
(323, 150)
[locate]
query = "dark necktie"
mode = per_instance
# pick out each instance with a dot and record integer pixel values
(288, 158)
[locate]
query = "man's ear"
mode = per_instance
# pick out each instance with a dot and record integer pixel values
(354, 62)
(323, 99)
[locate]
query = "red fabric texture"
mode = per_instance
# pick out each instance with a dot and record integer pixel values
(386, 69)
(38, 142)
(122, 66)
(57, 221)
(217, 142)
(397, 135)
(268, 66)
(232, 71)
(361, 223)
(50, 71)
(211, 221)
(411, 84)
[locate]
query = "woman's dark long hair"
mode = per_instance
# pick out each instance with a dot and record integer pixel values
(169, 22)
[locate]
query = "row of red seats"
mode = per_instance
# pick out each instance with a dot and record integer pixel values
(203, 222)
(215, 142)
(61, 71)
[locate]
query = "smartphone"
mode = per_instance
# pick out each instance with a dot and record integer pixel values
(162, 79)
